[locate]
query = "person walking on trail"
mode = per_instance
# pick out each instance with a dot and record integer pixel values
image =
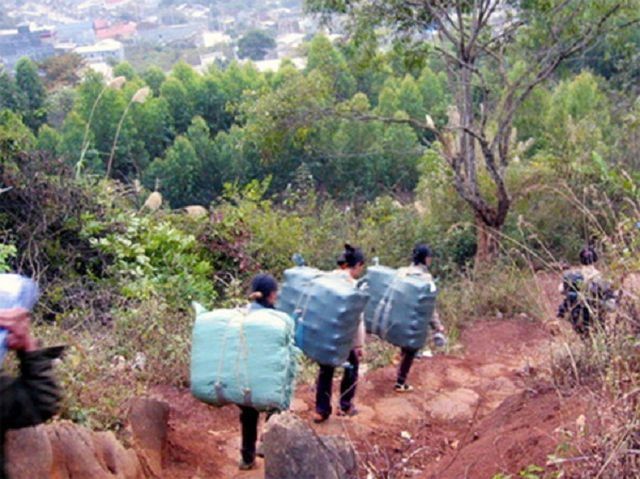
(354, 260)
(33, 396)
(422, 258)
(264, 294)
(585, 294)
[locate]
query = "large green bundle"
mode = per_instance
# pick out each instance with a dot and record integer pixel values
(401, 306)
(243, 357)
(331, 311)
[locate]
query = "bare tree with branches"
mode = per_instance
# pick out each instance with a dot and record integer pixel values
(496, 53)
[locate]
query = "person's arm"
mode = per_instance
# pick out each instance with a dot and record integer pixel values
(436, 324)
(358, 344)
(34, 396)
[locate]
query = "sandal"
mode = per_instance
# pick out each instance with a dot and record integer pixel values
(352, 411)
(403, 388)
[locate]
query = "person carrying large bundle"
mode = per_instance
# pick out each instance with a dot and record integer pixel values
(402, 309)
(586, 297)
(246, 357)
(422, 258)
(354, 260)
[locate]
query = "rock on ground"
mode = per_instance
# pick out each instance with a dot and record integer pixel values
(65, 450)
(148, 422)
(293, 450)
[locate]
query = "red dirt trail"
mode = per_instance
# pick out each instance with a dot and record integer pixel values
(474, 415)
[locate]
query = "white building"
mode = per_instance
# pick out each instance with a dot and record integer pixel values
(274, 65)
(211, 39)
(102, 52)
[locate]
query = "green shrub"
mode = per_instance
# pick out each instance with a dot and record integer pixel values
(152, 256)
(7, 252)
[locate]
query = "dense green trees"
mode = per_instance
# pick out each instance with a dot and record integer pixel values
(178, 173)
(255, 45)
(24, 93)
(351, 123)
(30, 85)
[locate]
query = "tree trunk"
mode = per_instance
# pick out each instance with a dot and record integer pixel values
(488, 241)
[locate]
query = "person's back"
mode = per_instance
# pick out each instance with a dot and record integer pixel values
(584, 293)
(421, 270)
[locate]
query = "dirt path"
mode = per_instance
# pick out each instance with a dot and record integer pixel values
(473, 415)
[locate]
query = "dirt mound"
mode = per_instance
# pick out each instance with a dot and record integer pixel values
(520, 433)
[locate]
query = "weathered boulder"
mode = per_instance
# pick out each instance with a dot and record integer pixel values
(120, 461)
(29, 453)
(64, 450)
(293, 450)
(148, 421)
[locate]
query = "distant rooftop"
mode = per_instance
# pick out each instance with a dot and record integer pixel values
(100, 47)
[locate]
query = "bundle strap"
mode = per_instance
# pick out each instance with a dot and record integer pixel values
(242, 363)
(218, 386)
(382, 313)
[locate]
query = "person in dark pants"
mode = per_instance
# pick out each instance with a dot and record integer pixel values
(264, 294)
(422, 257)
(354, 260)
(33, 396)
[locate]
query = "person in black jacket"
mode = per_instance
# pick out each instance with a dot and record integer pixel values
(33, 396)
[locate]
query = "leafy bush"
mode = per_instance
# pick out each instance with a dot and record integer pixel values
(7, 252)
(152, 256)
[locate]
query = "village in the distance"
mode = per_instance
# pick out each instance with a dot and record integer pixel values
(156, 32)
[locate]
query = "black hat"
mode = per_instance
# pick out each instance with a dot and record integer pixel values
(353, 256)
(420, 253)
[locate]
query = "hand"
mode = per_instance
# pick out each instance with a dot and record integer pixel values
(16, 322)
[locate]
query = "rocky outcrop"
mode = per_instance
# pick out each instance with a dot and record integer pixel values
(293, 450)
(64, 450)
(148, 422)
